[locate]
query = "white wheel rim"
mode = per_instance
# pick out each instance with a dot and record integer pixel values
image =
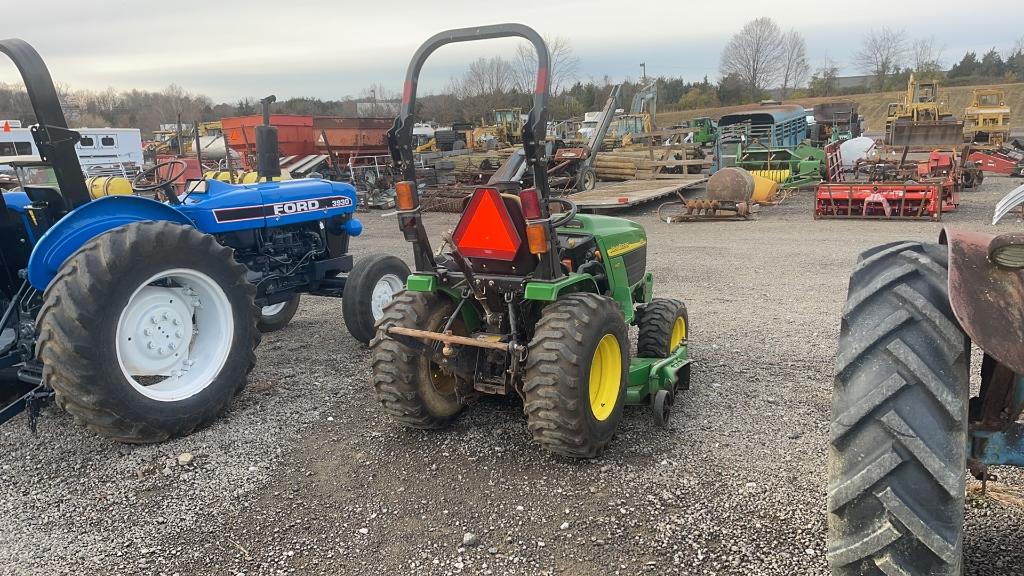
(383, 292)
(174, 338)
(273, 309)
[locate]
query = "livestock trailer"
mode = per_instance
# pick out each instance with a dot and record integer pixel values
(772, 125)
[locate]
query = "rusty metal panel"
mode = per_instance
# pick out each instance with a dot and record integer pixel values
(987, 300)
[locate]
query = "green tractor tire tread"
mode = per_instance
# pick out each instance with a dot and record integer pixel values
(557, 371)
(74, 305)
(396, 366)
(655, 327)
(898, 431)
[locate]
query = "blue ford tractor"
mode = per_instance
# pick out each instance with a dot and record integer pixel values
(140, 316)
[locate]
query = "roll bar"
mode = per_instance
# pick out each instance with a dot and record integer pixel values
(56, 143)
(534, 131)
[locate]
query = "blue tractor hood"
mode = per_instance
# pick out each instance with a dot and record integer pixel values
(227, 207)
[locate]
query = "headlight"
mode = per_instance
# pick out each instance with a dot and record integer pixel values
(1007, 250)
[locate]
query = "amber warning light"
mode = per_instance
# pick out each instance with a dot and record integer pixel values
(486, 230)
(405, 197)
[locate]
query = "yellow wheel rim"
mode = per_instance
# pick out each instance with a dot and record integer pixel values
(605, 377)
(678, 334)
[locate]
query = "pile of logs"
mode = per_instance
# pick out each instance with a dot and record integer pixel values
(648, 162)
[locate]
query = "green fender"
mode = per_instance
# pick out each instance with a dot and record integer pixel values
(551, 291)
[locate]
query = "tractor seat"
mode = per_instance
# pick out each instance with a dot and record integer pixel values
(56, 205)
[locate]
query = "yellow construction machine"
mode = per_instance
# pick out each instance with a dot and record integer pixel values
(508, 125)
(921, 119)
(987, 119)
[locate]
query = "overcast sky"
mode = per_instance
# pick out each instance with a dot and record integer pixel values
(229, 49)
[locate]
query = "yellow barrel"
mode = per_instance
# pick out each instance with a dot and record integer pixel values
(779, 176)
(764, 189)
(221, 175)
(251, 177)
(100, 186)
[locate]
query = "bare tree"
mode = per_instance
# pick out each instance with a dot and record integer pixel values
(754, 55)
(881, 54)
(564, 65)
(823, 81)
(795, 68)
(175, 101)
(1018, 47)
(927, 56)
(378, 101)
(485, 76)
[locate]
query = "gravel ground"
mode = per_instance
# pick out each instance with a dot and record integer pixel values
(306, 475)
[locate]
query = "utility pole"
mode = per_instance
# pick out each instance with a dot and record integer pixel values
(643, 72)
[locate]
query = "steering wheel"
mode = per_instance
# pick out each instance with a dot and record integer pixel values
(568, 216)
(151, 179)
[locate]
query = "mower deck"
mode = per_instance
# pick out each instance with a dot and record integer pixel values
(648, 375)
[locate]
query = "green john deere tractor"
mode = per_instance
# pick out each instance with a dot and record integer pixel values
(524, 301)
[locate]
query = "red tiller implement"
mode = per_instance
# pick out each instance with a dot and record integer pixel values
(882, 200)
(886, 189)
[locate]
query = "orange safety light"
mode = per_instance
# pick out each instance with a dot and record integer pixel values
(7, 126)
(405, 195)
(486, 230)
(537, 235)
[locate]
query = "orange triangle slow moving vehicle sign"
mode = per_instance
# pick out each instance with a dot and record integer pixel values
(486, 230)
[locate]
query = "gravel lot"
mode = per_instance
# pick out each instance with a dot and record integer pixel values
(306, 475)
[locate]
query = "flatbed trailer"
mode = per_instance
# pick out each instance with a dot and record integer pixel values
(619, 195)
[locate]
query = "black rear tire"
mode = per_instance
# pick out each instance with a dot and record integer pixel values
(357, 303)
(899, 419)
(280, 319)
(77, 327)
(656, 324)
(413, 390)
(557, 380)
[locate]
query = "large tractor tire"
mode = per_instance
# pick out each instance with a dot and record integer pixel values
(371, 285)
(147, 332)
(899, 419)
(575, 379)
(277, 316)
(664, 326)
(414, 390)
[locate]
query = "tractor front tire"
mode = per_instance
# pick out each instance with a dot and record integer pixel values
(147, 331)
(414, 390)
(664, 326)
(275, 317)
(575, 379)
(898, 431)
(370, 286)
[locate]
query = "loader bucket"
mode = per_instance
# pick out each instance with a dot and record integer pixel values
(932, 133)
